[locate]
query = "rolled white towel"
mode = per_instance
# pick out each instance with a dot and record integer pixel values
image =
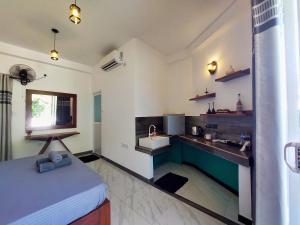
(55, 156)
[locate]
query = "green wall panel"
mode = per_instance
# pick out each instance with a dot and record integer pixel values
(160, 159)
(219, 168)
(174, 155)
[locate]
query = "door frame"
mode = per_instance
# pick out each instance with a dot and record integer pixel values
(94, 123)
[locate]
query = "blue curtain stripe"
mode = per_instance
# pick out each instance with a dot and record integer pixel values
(5, 97)
(5, 117)
(265, 14)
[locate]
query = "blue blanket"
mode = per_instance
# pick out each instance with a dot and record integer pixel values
(24, 191)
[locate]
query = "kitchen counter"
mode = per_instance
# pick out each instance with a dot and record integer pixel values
(150, 151)
(230, 153)
(224, 151)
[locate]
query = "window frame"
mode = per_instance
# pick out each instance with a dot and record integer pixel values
(28, 117)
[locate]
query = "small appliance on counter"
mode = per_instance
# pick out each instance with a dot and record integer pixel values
(208, 137)
(174, 124)
(197, 131)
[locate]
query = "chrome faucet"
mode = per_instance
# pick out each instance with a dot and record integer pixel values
(154, 131)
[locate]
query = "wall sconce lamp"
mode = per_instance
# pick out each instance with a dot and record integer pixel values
(212, 67)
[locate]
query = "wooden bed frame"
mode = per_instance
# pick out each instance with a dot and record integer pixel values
(99, 216)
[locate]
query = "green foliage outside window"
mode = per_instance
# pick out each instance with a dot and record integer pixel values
(38, 107)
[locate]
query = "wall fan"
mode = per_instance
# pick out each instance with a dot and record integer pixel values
(23, 73)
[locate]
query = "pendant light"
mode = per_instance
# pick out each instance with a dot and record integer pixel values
(75, 13)
(54, 53)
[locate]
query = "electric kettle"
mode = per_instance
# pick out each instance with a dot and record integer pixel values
(197, 130)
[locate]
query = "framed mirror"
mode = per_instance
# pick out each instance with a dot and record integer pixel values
(47, 110)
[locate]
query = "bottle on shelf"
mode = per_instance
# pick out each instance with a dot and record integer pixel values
(239, 105)
(213, 111)
(208, 111)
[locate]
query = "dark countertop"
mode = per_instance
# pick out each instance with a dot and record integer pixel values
(152, 151)
(224, 151)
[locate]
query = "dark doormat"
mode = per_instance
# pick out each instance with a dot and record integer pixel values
(89, 158)
(171, 182)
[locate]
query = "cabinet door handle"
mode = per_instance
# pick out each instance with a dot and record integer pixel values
(296, 147)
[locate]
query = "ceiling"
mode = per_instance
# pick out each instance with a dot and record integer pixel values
(167, 25)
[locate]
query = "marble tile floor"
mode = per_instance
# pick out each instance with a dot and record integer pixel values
(202, 190)
(134, 202)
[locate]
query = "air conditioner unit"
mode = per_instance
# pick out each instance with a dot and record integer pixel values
(112, 60)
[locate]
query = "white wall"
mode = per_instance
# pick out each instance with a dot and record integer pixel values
(228, 45)
(150, 82)
(61, 79)
(118, 113)
(245, 192)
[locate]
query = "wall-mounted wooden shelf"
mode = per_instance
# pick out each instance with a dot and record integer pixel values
(232, 113)
(234, 75)
(210, 95)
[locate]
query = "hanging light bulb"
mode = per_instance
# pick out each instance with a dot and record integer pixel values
(54, 52)
(75, 13)
(54, 55)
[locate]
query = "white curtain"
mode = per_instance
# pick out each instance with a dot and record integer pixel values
(270, 103)
(291, 25)
(276, 48)
(5, 117)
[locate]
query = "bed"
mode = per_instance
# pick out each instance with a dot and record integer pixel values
(70, 195)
